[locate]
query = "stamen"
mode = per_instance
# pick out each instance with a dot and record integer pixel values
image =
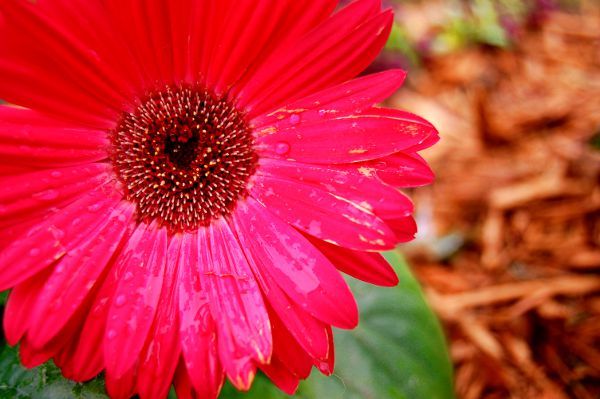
(184, 157)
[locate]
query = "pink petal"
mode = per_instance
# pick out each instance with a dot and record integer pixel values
(197, 332)
(135, 301)
(404, 170)
(54, 237)
(322, 214)
(345, 99)
(334, 52)
(161, 354)
(20, 301)
(146, 34)
(30, 140)
(289, 353)
(83, 359)
(405, 228)
(370, 267)
(326, 366)
(356, 183)
(281, 377)
(297, 266)
(362, 137)
(293, 19)
(33, 357)
(242, 322)
(252, 29)
(308, 331)
(122, 387)
(56, 70)
(21, 195)
(185, 389)
(76, 274)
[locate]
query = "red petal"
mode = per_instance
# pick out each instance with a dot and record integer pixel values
(20, 301)
(75, 275)
(197, 330)
(322, 214)
(370, 267)
(345, 99)
(356, 183)
(21, 196)
(160, 356)
(242, 321)
(135, 301)
(297, 266)
(31, 140)
(404, 170)
(334, 52)
(362, 137)
(309, 332)
(54, 237)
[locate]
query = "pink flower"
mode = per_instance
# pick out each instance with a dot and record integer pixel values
(183, 179)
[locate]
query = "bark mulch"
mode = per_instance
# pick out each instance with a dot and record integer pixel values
(509, 249)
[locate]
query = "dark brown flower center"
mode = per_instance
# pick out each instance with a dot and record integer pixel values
(184, 157)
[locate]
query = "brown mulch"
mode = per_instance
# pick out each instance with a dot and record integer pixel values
(510, 250)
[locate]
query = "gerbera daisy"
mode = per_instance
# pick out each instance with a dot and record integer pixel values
(181, 181)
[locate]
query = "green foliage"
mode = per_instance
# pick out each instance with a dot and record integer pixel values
(44, 382)
(398, 351)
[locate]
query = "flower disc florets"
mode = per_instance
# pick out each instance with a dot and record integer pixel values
(184, 157)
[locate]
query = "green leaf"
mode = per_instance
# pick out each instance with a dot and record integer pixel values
(398, 351)
(3, 297)
(44, 382)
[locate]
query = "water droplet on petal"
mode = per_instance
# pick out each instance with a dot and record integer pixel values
(47, 195)
(322, 113)
(120, 300)
(34, 252)
(111, 334)
(122, 218)
(94, 208)
(128, 276)
(282, 148)
(59, 269)
(56, 174)
(295, 119)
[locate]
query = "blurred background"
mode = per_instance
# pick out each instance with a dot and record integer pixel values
(508, 249)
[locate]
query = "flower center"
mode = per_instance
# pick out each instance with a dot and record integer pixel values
(184, 157)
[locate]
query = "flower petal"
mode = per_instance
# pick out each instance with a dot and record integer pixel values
(373, 134)
(21, 196)
(356, 183)
(252, 29)
(308, 331)
(54, 237)
(370, 267)
(161, 355)
(242, 322)
(299, 269)
(21, 299)
(29, 139)
(322, 214)
(51, 69)
(334, 52)
(75, 275)
(185, 389)
(135, 301)
(344, 99)
(197, 328)
(83, 359)
(404, 170)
